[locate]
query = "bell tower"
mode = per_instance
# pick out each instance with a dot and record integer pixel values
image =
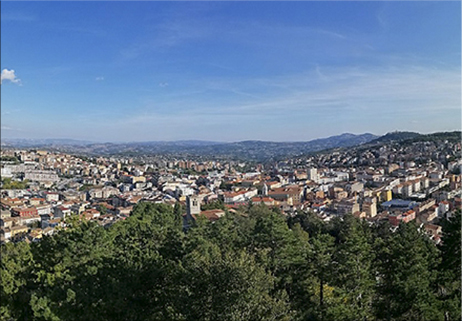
(264, 190)
(193, 205)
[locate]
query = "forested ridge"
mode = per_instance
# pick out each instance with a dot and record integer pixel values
(256, 266)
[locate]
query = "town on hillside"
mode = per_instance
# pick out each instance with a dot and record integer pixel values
(41, 190)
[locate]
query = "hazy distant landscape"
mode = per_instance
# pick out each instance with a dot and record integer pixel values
(245, 150)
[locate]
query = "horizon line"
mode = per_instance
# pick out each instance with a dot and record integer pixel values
(4, 140)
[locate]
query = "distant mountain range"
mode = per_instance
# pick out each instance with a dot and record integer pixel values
(31, 142)
(249, 150)
(414, 137)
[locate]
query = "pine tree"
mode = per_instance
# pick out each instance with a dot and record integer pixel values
(450, 267)
(321, 262)
(406, 266)
(353, 274)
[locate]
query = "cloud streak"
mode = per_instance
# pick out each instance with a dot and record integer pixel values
(165, 36)
(179, 30)
(353, 99)
(405, 92)
(17, 17)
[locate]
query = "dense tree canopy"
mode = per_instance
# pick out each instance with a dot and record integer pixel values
(8, 183)
(256, 265)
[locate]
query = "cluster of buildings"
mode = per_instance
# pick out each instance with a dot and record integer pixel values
(420, 182)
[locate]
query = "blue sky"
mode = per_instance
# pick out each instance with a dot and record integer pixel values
(228, 71)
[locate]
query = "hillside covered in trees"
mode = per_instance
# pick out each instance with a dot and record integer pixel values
(255, 266)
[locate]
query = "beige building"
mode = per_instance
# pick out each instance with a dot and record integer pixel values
(347, 207)
(369, 206)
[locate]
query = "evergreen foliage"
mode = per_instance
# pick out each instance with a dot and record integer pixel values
(8, 183)
(256, 266)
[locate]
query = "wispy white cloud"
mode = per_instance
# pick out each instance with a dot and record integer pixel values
(329, 33)
(356, 89)
(172, 33)
(319, 73)
(9, 75)
(17, 17)
(381, 20)
(165, 36)
(301, 106)
(8, 128)
(383, 15)
(163, 84)
(285, 35)
(6, 111)
(100, 78)
(179, 30)
(172, 29)
(400, 91)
